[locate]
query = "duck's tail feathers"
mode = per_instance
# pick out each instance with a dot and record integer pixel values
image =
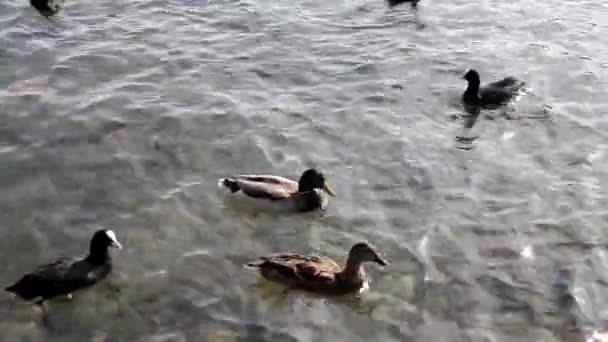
(12, 288)
(229, 184)
(256, 264)
(519, 85)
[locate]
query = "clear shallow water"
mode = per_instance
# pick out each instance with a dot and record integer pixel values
(133, 110)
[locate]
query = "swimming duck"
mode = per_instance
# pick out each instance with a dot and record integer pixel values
(319, 273)
(275, 193)
(68, 274)
(490, 95)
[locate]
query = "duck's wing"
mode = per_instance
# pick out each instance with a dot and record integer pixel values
(269, 179)
(59, 268)
(317, 270)
(263, 190)
(501, 91)
(507, 82)
(47, 280)
(491, 96)
(261, 186)
(296, 267)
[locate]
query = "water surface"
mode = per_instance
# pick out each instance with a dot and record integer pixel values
(124, 114)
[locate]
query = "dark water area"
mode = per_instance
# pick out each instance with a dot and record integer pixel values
(123, 115)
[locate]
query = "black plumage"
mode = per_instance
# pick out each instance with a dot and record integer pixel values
(68, 274)
(392, 3)
(490, 95)
(46, 7)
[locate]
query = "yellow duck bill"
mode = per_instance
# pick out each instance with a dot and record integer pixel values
(328, 189)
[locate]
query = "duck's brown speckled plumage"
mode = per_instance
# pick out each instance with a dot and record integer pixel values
(318, 273)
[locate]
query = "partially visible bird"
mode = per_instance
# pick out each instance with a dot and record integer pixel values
(46, 7)
(414, 3)
(279, 194)
(490, 95)
(68, 274)
(319, 273)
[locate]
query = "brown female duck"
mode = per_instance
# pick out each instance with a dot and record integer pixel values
(319, 273)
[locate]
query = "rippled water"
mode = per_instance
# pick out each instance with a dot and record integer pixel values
(124, 114)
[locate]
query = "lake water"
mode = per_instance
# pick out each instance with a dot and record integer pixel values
(124, 114)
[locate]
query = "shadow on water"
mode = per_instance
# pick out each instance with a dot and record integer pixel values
(40, 313)
(237, 207)
(465, 138)
(279, 294)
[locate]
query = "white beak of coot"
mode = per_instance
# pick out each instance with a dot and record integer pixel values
(112, 238)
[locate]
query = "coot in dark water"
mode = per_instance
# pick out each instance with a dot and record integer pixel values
(490, 95)
(46, 7)
(68, 274)
(392, 3)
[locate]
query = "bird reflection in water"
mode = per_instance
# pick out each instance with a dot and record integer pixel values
(465, 138)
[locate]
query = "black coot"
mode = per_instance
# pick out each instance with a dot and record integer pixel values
(46, 7)
(392, 3)
(68, 274)
(490, 95)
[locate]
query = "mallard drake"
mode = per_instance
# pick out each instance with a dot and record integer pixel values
(489, 95)
(275, 193)
(68, 274)
(319, 273)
